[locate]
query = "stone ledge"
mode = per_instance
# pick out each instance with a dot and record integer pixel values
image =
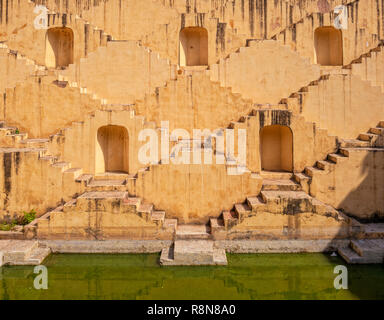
(281, 246)
(107, 246)
(231, 246)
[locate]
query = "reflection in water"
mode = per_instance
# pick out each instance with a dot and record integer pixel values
(248, 276)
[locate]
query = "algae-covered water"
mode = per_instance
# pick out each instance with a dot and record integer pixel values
(138, 276)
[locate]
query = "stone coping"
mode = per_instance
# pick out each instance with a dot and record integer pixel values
(231, 246)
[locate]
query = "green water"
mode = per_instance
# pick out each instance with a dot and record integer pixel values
(248, 276)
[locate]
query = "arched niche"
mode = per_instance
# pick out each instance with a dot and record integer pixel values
(112, 149)
(329, 46)
(193, 47)
(276, 148)
(59, 47)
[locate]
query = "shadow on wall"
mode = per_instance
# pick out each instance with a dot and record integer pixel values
(364, 195)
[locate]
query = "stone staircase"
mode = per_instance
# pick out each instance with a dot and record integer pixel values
(11, 137)
(363, 251)
(106, 194)
(278, 196)
(193, 246)
(372, 140)
(369, 66)
(17, 67)
(22, 252)
(360, 66)
(228, 71)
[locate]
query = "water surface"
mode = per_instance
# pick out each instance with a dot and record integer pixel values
(138, 276)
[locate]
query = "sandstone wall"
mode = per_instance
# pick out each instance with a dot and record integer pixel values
(193, 193)
(121, 72)
(18, 31)
(265, 72)
(371, 67)
(28, 182)
(355, 185)
(229, 24)
(194, 102)
(14, 68)
(362, 34)
(345, 105)
(82, 149)
(317, 142)
(40, 108)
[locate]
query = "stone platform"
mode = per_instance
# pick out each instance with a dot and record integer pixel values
(364, 251)
(193, 253)
(22, 252)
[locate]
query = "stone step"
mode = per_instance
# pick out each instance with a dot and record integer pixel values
(145, 210)
(229, 219)
(158, 217)
(301, 177)
(374, 231)
(367, 136)
(337, 157)
(216, 224)
(272, 175)
(287, 202)
(256, 204)
(370, 249)
(187, 231)
(350, 256)
(36, 258)
(324, 165)
(112, 176)
(193, 253)
(63, 166)
(170, 224)
(311, 171)
(85, 178)
(18, 137)
(376, 131)
(35, 143)
(107, 185)
(325, 209)
(354, 143)
(111, 201)
(74, 172)
(18, 250)
(242, 211)
(281, 184)
(70, 205)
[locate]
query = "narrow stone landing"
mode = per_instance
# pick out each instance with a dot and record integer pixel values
(22, 252)
(193, 253)
(363, 251)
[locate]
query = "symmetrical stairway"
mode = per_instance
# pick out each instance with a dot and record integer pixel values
(364, 251)
(22, 252)
(278, 196)
(107, 195)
